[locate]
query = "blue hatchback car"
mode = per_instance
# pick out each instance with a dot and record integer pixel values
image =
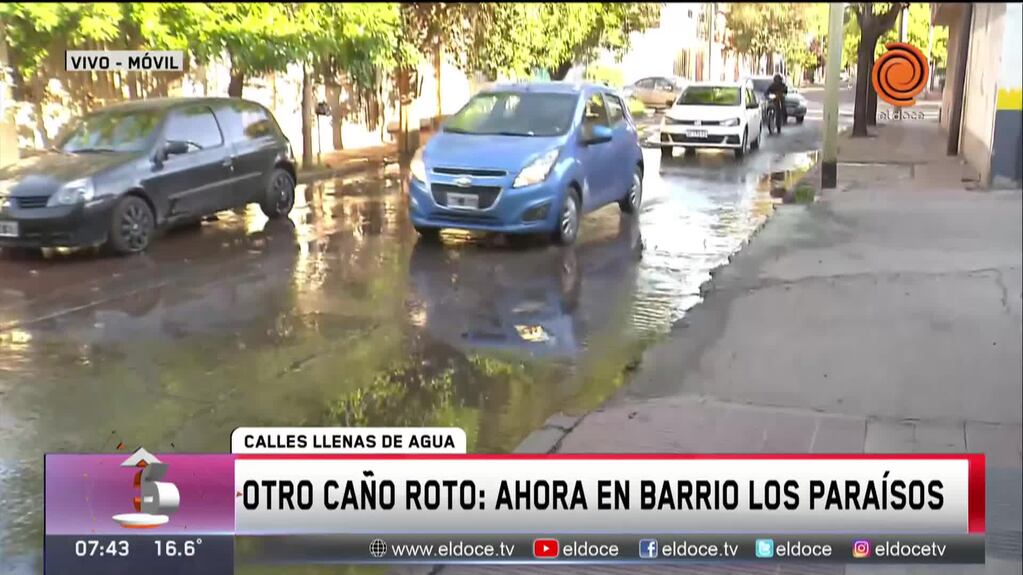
(528, 158)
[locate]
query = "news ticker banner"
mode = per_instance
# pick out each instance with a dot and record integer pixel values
(413, 495)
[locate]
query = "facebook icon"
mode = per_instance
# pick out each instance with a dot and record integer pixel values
(648, 549)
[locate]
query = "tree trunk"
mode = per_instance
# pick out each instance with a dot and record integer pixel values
(863, 58)
(336, 115)
(871, 92)
(383, 110)
(561, 71)
(237, 83)
(437, 65)
(37, 107)
(307, 116)
(408, 127)
(234, 89)
(133, 85)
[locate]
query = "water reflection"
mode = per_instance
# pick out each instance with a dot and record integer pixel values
(539, 301)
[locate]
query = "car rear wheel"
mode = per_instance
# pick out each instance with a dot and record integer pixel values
(568, 220)
(799, 119)
(280, 195)
(132, 226)
(634, 197)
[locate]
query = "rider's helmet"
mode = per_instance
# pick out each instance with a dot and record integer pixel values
(777, 79)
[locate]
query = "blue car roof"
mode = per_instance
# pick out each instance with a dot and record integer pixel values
(548, 87)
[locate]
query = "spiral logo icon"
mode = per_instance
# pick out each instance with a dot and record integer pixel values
(900, 74)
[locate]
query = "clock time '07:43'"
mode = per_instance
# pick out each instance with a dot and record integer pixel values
(94, 548)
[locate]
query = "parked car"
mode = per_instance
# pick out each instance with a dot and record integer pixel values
(656, 92)
(120, 174)
(713, 115)
(528, 158)
(795, 103)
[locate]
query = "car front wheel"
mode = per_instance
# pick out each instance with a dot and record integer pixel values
(741, 150)
(280, 195)
(132, 225)
(568, 220)
(634, 197)
(799, 119)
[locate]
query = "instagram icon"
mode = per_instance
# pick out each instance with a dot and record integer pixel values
(861, 549)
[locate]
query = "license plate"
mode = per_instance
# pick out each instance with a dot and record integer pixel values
(463, 201)
(8, 229)
(696, 133)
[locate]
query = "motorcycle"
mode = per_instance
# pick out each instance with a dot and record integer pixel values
(772, 114)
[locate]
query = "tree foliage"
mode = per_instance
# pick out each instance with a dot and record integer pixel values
(765, 28)
(918, 33)
(352, 44)
(577, 33)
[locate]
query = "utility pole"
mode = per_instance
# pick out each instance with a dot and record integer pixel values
(829, 163)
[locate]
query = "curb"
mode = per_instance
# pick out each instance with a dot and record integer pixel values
(812, 177)
(348, 168)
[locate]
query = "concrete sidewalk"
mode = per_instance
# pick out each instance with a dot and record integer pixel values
(886, 317)
(345, 162)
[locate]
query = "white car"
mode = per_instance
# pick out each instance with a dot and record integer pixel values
(713, 115)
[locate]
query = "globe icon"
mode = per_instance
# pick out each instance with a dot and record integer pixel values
(377, 548)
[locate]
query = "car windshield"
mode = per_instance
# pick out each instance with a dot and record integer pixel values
(515, 114)
(710, 96)
(115, 131)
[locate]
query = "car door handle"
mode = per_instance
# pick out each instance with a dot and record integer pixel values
(228, 163)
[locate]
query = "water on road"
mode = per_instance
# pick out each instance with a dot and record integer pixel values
(338, 316)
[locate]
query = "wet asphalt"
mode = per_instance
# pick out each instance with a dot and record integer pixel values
(338, 316)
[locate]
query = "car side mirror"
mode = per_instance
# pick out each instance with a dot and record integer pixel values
(753, 105)
(174, 148)
(596, 135)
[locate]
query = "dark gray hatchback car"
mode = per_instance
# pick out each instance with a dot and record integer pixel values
(120, 174)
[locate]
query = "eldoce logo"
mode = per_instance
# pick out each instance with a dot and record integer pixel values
(156, 500)
(900, 74)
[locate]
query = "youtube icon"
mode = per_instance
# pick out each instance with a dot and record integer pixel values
(545, 548)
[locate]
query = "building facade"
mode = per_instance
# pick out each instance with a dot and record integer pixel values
(982, 102)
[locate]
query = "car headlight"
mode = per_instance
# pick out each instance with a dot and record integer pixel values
(417, 166)
(731, 122)
(74, 192)
(537, 171)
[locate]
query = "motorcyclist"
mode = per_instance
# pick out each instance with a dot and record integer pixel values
(778, 89)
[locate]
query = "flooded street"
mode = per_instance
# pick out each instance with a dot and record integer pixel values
(340, 317)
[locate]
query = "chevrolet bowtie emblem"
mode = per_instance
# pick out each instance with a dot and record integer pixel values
(463, 182)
